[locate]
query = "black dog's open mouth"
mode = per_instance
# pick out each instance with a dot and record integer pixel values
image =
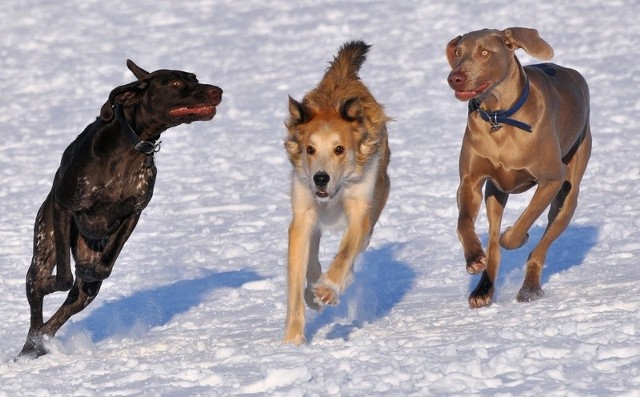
(199, 112)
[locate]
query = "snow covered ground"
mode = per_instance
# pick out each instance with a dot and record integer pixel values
(196, 303)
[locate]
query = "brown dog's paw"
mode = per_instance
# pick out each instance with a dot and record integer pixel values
(510, 242)
(477, 264)
(325, 294)
(478, 301)
(529, 293)
(294, 338)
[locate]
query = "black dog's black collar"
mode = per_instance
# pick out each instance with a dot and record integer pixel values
(147, 147)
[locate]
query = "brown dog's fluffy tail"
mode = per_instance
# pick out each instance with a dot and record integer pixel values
(347, 63)
(341, 80)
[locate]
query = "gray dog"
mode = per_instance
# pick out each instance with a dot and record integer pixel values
(527, 126)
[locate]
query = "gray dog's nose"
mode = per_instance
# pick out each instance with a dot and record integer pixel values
(321, 179)
(456, 79)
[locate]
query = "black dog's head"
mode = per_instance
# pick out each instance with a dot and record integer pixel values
(168, 97)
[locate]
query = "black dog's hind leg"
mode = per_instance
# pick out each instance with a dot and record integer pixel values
(89, 277)
(50, 249)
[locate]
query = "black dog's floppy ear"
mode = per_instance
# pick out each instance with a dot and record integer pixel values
(137, 70)
(125, 95)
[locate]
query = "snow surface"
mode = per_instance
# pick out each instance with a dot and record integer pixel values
(196, 303)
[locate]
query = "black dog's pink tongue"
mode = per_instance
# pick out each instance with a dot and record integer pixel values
(202, 110)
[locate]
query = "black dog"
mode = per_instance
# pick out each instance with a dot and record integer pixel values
(105, 180)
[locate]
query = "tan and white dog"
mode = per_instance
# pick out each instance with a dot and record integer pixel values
(337, 144)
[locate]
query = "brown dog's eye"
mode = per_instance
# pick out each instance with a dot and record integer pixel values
(311, 150)
(176, 84)
(338, 150)
(484, 53)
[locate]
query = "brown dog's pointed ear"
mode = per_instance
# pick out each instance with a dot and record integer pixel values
(451, 50)
(125, 95)
(299, 113)
(351, 109)
(528, 40)
(137, 70)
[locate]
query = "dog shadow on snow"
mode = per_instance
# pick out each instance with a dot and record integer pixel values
(569, 250)
(155, 307)
(379, 283)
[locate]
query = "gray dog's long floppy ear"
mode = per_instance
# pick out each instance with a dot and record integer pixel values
(451, 48)
(137, 70)
(528, 40)
(125, 95)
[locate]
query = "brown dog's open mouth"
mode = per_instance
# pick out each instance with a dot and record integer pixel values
(467, 95)
(200, 112)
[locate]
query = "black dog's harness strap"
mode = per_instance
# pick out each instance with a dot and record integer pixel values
(147, 147)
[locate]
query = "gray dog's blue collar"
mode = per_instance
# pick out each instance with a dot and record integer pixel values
(503, 116)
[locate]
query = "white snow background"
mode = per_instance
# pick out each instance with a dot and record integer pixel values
(196, 302)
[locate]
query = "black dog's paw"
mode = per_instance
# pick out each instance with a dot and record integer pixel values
(33, 348)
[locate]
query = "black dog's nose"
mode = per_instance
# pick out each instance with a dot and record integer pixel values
(321, 179)
(213, 93)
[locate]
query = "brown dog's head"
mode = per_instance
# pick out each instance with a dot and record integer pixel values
(169, 97)
(338, 129)
(327, 148)
(482, 59)
(331, 147)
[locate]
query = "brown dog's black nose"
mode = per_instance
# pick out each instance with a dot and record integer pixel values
(457, 79)
(321, 179)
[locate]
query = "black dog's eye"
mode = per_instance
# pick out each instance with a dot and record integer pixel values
(311, 150)
(177, 83)
(338, 150)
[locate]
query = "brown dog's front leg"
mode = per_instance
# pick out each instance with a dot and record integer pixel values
(301, 232)
(354, 241)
